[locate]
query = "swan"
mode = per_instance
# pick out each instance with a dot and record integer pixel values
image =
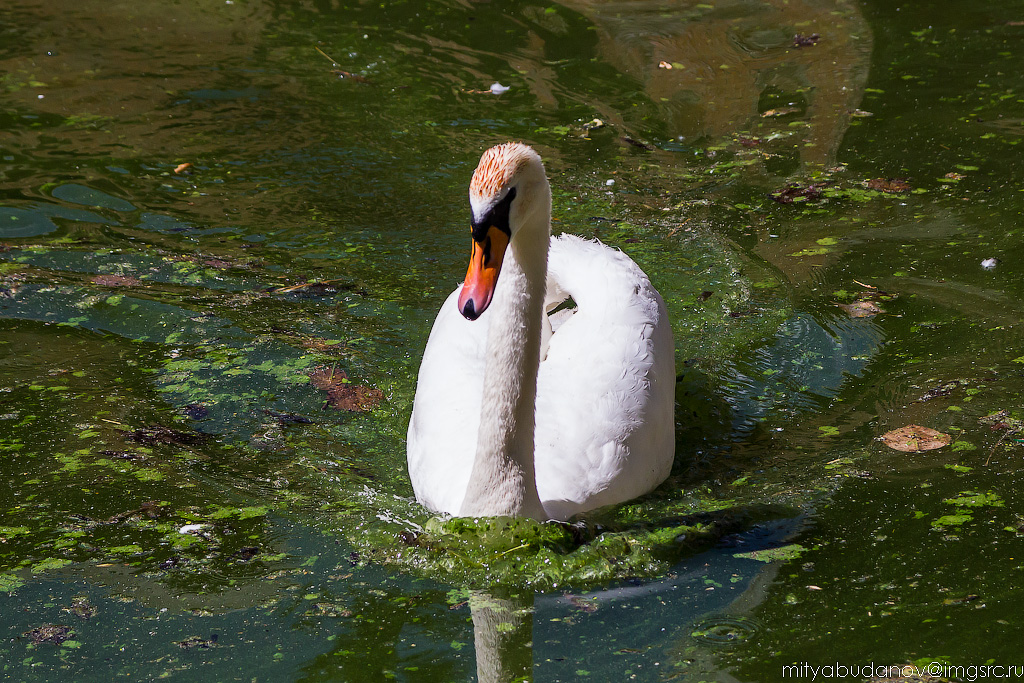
(522, 410)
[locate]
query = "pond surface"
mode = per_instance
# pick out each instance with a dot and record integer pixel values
(226, 228)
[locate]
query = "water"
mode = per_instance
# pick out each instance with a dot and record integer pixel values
(207, 208)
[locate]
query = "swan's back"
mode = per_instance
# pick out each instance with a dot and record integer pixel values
(605, 394)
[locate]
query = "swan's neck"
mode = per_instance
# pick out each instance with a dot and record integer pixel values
(503, 482)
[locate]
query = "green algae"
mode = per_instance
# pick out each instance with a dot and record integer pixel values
(524, 553)
(233, 372)
(784, 553)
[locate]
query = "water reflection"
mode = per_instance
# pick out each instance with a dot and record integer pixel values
(713, 68)
(502, 635)
(641, 631)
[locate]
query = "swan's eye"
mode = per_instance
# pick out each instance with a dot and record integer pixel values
(496, 217)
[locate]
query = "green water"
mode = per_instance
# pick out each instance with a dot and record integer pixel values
(186, 499)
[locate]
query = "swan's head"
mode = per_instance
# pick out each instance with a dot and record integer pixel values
(507, 187)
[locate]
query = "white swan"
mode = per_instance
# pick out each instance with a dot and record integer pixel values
(524, 414)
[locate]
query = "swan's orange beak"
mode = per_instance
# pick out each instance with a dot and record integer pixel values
(482, 276)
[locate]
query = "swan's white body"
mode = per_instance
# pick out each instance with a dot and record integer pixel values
(599, 428)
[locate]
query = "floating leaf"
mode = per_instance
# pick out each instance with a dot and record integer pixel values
(343, 395)
(915, 439)
(888, 185)
(862, 309)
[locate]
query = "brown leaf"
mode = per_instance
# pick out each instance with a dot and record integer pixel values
(862, 309)
(342, 394)
(889, 185)
(115, 280)
(354, 398)
(915, 439)
(327, 378)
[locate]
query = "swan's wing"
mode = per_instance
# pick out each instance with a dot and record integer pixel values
(446, 411)
(605, 399)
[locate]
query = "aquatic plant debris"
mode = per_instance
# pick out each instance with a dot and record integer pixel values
(628, 542)
(798, 193)
(781, 554)
(779, 111)
(197, 642)
(316, 286)
(116, 280)
(340, 73)
(82, 608)
(800, 40)
(342, 394)
(915, 439)
(50, 633)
